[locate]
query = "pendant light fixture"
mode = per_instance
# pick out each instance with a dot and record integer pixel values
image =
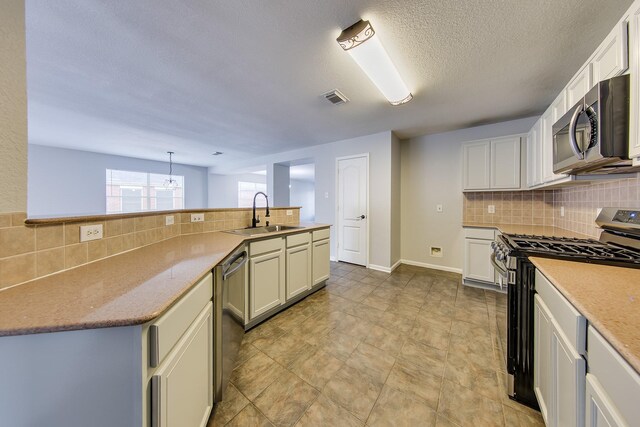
(361, 42)
(170, 183)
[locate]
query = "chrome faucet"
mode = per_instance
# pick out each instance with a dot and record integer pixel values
(254, 220)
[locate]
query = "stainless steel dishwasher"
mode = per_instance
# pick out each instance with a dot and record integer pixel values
(229, 285)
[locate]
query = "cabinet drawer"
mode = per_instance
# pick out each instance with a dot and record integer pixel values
(264, 246)
(298, 239)
(479, 233)
(320, 234)
(618, 379)
(570, 321)
(167, 330)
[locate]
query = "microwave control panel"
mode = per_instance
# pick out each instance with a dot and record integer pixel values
(627, 216)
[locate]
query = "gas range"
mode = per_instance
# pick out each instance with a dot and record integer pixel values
(619, 243)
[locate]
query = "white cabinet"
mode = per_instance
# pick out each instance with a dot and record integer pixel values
(321, 255)
(299, 266)
(613, 386)
(477, 165)
(611, 58)
(182, 387)
(559, 368)
(534, 156)
(266, 276)
(477, 252)
(505, 163)
(579, 85)
(492, 164)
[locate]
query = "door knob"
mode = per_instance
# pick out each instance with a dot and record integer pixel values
(362, 217)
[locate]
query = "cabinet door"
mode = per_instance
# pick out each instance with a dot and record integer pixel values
(555, 111)
(182, 388)
(476, 165)
(320, 261)
(298, 270)
(579, 86)
(634, 42)
(477, 264)
(542, 331)
(505, 163)
(266, 282)
(568, 377)
(534, 155)
(611, 59)
(600, 411)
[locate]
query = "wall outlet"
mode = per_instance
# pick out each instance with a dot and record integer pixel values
(491, 208)
(90, 232)
(435, 251)
(168, 220)
(289, 212)
(439, 208)
(561, 210)
(197, 217)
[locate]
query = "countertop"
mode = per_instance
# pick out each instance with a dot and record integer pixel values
(126, 289)
(538, 230)
(609, 297)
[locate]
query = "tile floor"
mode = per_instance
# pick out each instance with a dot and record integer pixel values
(411, 348)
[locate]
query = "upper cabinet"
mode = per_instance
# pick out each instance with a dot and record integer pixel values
(611, 58)
(534, 156)
(579, 85)
(492, 164)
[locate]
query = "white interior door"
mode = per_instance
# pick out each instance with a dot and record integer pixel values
(352, 209)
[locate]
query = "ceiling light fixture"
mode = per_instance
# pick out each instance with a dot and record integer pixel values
(361, 42)
(170, 183)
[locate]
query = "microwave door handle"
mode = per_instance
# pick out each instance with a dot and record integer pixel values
(572, 132)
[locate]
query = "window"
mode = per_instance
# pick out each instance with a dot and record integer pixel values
(246, 191)
(129, 191)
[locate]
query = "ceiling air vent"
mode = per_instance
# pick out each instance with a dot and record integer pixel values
(336, 97)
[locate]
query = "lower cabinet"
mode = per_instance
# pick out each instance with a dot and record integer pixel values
(298, 261)
(559, 368)
(320, 262)
(182, 387)
(266, 276)
(477, 253)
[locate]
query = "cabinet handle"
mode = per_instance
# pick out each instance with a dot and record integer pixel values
(156, 394)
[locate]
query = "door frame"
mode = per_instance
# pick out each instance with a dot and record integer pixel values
(337, 214)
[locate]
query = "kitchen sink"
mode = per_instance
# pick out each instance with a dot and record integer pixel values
(254, 231)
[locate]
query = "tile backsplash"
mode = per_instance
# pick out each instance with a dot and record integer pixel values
(28, 251)
(543, 207)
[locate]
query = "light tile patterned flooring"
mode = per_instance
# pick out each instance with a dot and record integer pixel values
(411, 348)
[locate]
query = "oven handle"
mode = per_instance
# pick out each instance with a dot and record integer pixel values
(572, 132)
(501, 270)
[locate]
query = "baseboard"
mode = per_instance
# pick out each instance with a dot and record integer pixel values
(433, 266)
(332, 258)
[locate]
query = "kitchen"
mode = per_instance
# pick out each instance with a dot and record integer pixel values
(413, 175)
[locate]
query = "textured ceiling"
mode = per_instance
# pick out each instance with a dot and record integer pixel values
(139, 78)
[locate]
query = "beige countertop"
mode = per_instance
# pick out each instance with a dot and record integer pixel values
(126, 289)
(538, 230)
(609, 297)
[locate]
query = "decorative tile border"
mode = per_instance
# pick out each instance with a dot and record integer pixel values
(28, 251)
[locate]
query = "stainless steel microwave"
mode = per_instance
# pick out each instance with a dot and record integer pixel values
(593, 136)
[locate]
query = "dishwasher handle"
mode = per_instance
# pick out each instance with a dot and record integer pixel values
(230, 269)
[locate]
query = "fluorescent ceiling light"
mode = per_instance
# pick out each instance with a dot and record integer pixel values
(361, 42)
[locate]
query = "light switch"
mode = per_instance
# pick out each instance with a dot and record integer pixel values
(326, 195)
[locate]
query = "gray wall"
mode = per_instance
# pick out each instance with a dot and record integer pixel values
(324, 156)
(223, 189)
(73, 182)
(432, 174)
(302, 193)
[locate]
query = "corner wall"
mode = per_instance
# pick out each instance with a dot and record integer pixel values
(432, 174)
(13, 107)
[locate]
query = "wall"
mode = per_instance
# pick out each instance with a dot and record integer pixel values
(324, 156)
(13, 108)
(30, 251)
(303, 194)
(396, 190)
(431, 174)
(63, 181)
(223, 189)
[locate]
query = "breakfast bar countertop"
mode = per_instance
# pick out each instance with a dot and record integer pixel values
(609, 297)
(126, 289)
